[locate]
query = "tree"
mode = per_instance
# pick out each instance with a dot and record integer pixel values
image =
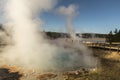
(110, 37)
(116, 31)
(113, 37)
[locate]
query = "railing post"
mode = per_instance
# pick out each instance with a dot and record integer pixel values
(118, 48)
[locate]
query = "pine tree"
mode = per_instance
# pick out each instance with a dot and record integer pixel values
(116, 31)
(110, 37)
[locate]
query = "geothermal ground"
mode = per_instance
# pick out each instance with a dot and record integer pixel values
(27, 54)
(107, 68)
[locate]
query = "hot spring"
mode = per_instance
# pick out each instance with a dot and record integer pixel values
(27, 46)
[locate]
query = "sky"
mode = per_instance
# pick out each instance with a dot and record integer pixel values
(95, 16)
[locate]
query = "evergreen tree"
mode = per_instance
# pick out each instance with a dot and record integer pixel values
(113, 37)
(116, 31)
(109, 37)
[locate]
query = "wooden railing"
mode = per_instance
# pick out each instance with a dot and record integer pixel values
(105, 46)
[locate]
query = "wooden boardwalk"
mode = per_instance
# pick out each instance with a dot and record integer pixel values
(105, 46)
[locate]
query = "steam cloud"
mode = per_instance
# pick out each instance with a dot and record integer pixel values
(69, 13)
(29, 48)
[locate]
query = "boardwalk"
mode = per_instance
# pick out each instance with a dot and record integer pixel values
(105, 46)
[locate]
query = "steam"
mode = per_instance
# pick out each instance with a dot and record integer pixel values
(69, 13)
(29, 48)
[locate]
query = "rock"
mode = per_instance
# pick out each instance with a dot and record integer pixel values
(6, 75)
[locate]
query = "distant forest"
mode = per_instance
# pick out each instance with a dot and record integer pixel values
(92, 35)
(113, 36)
(55, 35)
